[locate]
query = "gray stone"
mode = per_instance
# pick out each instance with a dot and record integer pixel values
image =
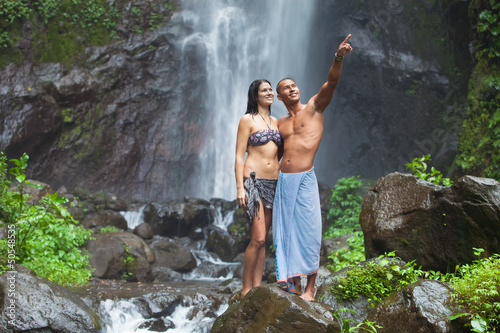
(429, 304)
(438, 226)
(270, 309)
(42, 306)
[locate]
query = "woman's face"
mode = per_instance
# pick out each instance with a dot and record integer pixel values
(265, 95)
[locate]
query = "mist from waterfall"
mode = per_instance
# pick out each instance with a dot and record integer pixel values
(241, 41)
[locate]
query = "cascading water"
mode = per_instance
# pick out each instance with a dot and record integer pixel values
(242, 41)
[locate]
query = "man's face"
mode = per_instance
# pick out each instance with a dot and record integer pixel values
(289, 92)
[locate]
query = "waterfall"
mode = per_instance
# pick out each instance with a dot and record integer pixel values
(241, 41)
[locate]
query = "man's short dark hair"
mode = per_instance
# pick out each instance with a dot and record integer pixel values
(278, 85)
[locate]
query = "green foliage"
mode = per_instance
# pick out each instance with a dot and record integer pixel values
(418, 168)
(490, 23)
(477, 289)
(375, 279)
(60, 28)
(347, 257)
(111, 228)
(344, 214)
(479, 142)
(345, 206)
(47, 238)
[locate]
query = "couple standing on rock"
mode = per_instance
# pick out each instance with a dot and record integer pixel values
(290, 186)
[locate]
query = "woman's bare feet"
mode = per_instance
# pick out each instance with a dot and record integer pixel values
(244, 292)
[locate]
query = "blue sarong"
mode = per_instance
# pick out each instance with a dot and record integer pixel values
(296, 226)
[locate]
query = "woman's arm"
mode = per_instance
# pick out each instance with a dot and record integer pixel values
(244, 129)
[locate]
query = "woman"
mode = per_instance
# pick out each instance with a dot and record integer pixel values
(256, 177)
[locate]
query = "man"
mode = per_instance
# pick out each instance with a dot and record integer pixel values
(297, 213)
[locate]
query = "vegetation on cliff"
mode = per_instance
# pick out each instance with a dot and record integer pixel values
(60, 30)
(479, 143)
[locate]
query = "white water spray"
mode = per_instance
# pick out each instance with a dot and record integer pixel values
(243, 41)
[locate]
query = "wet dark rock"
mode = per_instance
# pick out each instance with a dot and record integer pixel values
(270, 309)
(107, 256)
(438, 226)
(421, 307)
(214, 270)
(225, 206)
(166, 274)
(118, 255)
(36, 193)
(106, 218)
(178, 219)
(139, 269)
(144, 231)
(43, 306)
(157, 325)
(223, 244)
(170, 253)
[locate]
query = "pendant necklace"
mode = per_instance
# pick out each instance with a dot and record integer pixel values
(270, 123)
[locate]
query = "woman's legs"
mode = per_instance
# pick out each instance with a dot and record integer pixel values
(253, 264)
(261, 258)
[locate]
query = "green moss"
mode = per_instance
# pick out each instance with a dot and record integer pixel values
(67, 115)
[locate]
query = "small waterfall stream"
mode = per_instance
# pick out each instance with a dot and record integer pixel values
(195, 299)
(242, 41)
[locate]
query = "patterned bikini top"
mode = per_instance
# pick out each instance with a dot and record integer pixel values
(262, 137)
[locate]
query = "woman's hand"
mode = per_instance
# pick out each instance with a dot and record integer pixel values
(241, 197)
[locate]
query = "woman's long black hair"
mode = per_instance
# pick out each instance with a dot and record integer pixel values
(253, 92)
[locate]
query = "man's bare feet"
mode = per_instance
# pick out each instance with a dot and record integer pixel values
(308, 296)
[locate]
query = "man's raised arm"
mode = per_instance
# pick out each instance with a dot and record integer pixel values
(325, 94)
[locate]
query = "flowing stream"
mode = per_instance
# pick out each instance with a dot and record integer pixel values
(200, 296)
(241, 41)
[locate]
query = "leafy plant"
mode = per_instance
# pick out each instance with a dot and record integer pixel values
(344, 214)
(347, 257)
(418, 167)
(376, 279)
(47, 238)
(477, 289)
(345, 206)
(490, 22)
(110, 228)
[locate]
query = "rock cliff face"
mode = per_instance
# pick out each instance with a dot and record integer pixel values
(130, 118)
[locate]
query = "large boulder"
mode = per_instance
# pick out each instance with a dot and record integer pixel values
(139, 268)
(420, 307)
(438, 226)
(107, 256)
(178, 219)
(223, 244)
(170, 253)
(270, 309)
(116, 255)
(105, 218)
(42, 306)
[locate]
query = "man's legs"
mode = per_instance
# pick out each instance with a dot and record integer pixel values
(308, 294)
(297, 285)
